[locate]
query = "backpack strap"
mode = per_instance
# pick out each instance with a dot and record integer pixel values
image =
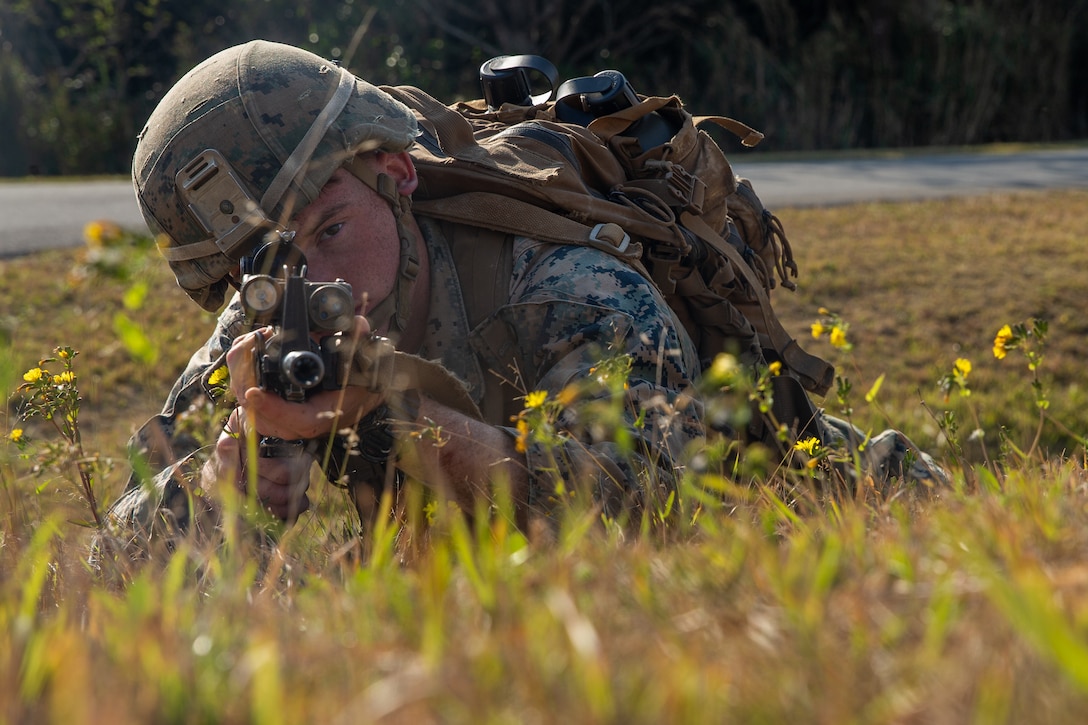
(513, 216)
(748, 136)
(620, 121)
(484, 260)
(617, 122)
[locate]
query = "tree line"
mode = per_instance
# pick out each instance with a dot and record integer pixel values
(79, 77)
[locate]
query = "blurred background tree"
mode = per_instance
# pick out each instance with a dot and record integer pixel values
(78, 77)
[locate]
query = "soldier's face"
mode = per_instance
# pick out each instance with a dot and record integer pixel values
(349, 233)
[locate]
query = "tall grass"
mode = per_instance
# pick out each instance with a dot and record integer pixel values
(757, 604)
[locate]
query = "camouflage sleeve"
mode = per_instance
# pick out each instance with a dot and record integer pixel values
(166, 451)
(586, 322)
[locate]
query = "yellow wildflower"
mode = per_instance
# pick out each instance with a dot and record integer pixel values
(16, 435)
(101, 233)
(838, 337)
(567, 395)
(725, 367)
(775, 368)
(1002, 339)
(92, 233)
(219, 376)
(66, 377)
(535, 399)
(808, 445)
(32, 375)
(62, 354)
(962, 366)
(521, 445)
(724, 372)
(817, 329)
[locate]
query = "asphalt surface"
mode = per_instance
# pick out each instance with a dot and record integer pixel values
(915, 177)
(49, 215)
(40, 215)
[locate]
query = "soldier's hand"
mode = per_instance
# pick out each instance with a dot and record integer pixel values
(242, 361)
(316, 417)
(281, 483)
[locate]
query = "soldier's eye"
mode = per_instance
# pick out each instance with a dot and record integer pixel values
(331, 231)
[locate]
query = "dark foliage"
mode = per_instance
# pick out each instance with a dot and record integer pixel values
(78, 77)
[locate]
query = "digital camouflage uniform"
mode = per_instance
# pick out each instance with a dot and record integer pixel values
(568, 307)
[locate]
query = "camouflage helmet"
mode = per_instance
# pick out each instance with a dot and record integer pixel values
(242, 142)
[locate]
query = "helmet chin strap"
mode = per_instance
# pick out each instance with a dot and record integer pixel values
(398, 305)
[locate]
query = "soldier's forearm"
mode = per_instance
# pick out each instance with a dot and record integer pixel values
(464, 457)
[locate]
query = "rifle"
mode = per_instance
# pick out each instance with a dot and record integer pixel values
(275, 292)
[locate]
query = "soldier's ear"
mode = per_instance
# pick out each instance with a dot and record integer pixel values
(401, 168)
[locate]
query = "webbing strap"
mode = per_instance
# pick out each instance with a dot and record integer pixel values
(608, 126)
(203, 248)
(748, 136)
(513, 216)
(817, 374)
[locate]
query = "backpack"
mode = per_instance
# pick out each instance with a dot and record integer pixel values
(640, 181)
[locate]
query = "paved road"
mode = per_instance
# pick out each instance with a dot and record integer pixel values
(910, 178)
(52, 214)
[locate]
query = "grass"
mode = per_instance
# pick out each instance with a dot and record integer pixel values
(923, 284)
(967, 606)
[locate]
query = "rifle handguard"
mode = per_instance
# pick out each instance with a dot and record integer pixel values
(379, 367)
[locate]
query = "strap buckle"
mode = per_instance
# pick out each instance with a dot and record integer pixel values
(685, 190)
(610, 238)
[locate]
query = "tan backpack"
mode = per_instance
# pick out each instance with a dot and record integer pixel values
(676, 211)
